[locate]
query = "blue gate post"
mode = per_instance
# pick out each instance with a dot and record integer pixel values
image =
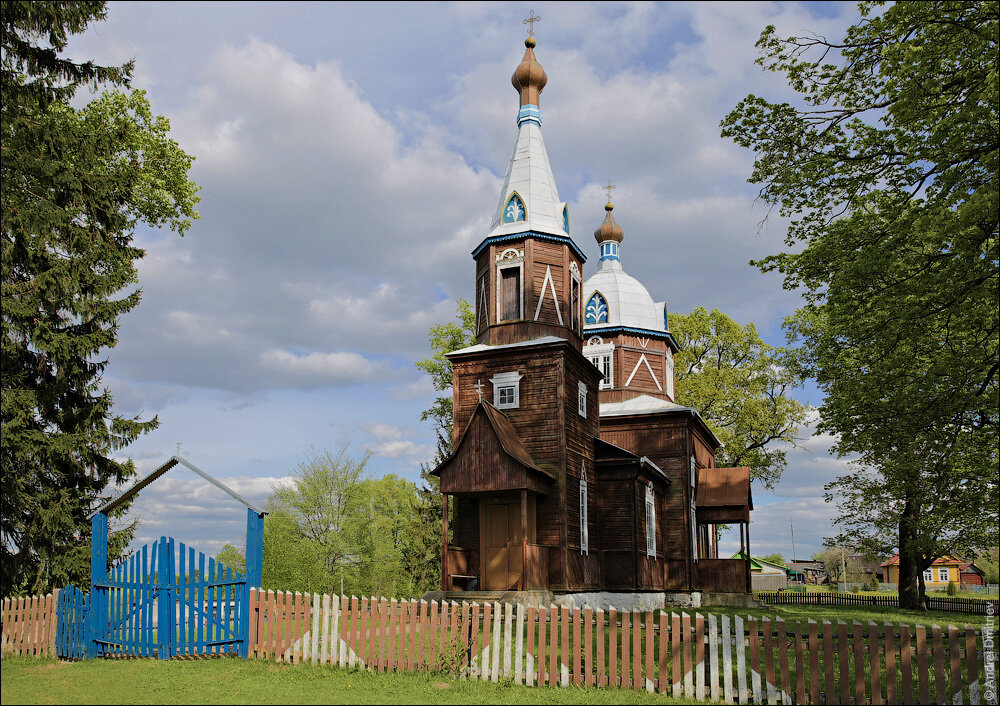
(164, 602)
(255, 573)
(97, 617)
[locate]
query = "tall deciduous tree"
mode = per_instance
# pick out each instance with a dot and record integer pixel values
(740, 385)
(74, 184)
(888, 169)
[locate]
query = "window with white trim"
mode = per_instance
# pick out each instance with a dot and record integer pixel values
(584, 515)
(510, 285)
(506, 390)
(602, 356)
(928, 575)
(650, 522)
(581, 398)
(943, 576)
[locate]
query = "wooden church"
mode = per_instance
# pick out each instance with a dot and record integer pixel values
(573, 468)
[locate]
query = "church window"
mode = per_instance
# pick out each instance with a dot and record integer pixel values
(565, 215)
(650, 522)
(510, 293)
(584, 533)
(597, 310)
(514, 210)
(602, 356)
(506, 390)
(581, 398)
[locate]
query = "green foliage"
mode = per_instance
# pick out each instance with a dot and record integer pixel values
(952, 589)
(232, 557)
(873, 583)
(74, 184)
(888, 172)
(834, 560)
(739, 385)
(777, 559)
(334, 523)
(989, 562)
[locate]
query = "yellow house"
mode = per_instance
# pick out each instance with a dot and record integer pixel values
(944, 569)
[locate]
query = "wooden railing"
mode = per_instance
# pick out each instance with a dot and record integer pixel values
(723, 575)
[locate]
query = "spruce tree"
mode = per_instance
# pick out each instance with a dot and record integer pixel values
(74, 184)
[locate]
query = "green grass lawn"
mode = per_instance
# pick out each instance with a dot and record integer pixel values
(28, 680)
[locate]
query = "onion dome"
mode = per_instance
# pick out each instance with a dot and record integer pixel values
(529, 78)
(609, 230)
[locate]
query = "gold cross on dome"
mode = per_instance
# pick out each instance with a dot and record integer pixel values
(609, 188)
(532, 19)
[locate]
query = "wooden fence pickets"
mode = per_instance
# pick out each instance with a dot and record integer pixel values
(690, 655)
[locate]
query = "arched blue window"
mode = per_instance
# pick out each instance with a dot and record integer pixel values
(566, 219)
(597, 310)
(514, 210)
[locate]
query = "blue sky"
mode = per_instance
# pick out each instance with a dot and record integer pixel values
(350, 157)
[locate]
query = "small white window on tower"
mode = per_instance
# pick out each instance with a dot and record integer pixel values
(506, 390)
(584, 534)
(650, 522)
(581, 398)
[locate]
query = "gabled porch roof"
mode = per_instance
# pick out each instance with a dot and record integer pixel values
(489, 456)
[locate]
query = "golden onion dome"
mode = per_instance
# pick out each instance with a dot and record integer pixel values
(529, 77)
(609, 230)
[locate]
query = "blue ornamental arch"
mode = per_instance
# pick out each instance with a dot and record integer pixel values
(514, 209)
(597, 310)
(167, 599)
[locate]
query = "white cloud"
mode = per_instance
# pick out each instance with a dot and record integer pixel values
(340, 368)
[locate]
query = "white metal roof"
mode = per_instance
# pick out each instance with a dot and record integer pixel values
(530, 175)
(629, 304)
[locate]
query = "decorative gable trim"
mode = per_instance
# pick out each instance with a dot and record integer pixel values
(642, 359)
(541, 295)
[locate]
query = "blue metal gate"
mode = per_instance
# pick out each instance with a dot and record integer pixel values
(168, 600)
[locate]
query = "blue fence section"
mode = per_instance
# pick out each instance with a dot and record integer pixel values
(71, 623)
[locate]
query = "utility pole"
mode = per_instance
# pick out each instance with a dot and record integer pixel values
(792, 527)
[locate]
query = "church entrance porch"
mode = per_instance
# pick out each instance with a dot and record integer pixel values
(500, 553)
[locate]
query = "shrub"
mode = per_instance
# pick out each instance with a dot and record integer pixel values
(873, 583)
(952, 588)
(855, 588)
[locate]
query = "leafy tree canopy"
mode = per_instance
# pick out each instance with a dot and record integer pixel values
(740, 386)
(74, 184)
(888, 171)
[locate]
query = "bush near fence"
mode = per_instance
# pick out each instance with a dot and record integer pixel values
(690, 656)
(968, 606)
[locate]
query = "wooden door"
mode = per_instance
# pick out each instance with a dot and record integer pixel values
(501, 533)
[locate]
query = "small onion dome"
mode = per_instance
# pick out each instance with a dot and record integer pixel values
(529, 78)
(609, 230)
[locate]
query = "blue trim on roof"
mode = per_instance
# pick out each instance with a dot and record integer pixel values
(563, 239)
(529, 112)
(604, 330)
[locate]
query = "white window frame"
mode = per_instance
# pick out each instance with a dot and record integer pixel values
(584, 514)
(944, 576)
(928, 575)
(576, 313)
(581, 398)
(602, 356)
(650, 521)
(506, 381)
(509, 259)
(669, 382)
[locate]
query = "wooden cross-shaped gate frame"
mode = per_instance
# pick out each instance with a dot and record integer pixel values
(99, 547)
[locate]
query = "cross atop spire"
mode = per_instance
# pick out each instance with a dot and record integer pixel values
(609, 188)
(530, 21)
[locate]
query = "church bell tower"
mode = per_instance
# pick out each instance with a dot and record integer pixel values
(528, 269)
